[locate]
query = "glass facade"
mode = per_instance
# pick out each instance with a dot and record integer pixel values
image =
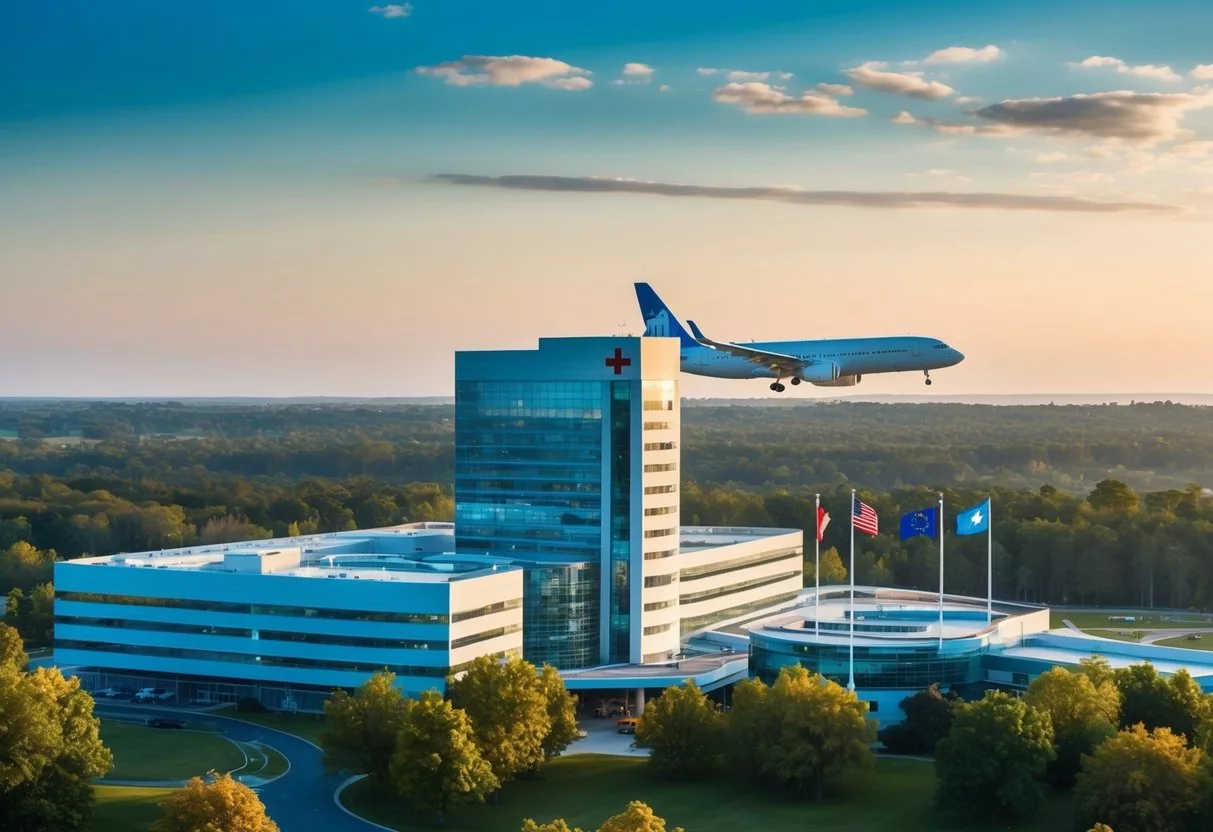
(528, 468)
(621, 521)
(560, 616)
(895, 666)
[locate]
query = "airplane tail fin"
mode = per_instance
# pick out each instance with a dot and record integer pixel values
(659, 321)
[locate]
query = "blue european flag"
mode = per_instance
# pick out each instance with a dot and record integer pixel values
(920, 522)
(976, 520)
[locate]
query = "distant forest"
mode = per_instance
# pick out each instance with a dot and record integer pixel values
(1150, 446)
(1092, 504)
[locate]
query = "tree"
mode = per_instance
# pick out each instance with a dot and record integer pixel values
(1144, 781)
(220, 805)
(1176, 703)
(802, 732)
(558, 825)
(15, 612)
(1096, 668)
(1083, 715)
(50, 751)
(562, 712)
(436, 763)
(40, 618)
(637, 817)
(682, 731)
(832, 569)
(1114, 496)
(746, 720)
(12, 650)
(360, 731)
(508, 710)
(929, 716)
(990, 763)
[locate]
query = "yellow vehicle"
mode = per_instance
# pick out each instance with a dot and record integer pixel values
(628, 724)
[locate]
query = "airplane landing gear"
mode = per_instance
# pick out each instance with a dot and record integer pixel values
(777, 387)
(927, 373)
(795, 380)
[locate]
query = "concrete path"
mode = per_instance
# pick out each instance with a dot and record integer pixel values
(299, 801)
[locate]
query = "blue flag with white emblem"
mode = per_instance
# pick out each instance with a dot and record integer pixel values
(920, 522)
(976, 520)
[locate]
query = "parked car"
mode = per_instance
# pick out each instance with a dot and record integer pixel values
(160, 722)
(154, 695)
(628, 725)
(113, 693)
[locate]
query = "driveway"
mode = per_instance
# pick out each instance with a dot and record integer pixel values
(299, 801)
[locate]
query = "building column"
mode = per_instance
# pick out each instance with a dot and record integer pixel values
(639, 709)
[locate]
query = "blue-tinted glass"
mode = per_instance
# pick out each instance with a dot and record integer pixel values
(560, 615)
(621, 525)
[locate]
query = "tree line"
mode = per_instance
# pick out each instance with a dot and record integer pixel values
(1135, 748)
(1151, 446)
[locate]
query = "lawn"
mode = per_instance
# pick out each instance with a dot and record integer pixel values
(1146, 619)
(1205, 643)
(142, 753)
(307, 726)
(1118, 635)
(126, 808)
(587, 789)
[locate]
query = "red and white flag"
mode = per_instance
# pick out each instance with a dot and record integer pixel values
(823, 520)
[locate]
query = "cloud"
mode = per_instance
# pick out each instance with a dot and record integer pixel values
(1158, 73)
(1053, 157)
(953, 128)
(707, 70)
(763, 99)
(1204, 72)
(665, 88)
(968, 99)
(873, 76)
(640, 70)
(509, 71)
(946, 173)
(965, 55)
(834, 89)
(797, 196)
(397, 10)
(1134, 116)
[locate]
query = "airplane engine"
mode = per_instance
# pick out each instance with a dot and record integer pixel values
(823, 374)
(841, 381)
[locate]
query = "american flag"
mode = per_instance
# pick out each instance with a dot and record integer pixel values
(864, 517)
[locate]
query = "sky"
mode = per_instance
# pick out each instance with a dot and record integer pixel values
(325, 197)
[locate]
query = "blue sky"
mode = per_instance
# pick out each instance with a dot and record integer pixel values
(170, 165)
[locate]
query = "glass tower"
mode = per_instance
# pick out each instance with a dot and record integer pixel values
(566, 463)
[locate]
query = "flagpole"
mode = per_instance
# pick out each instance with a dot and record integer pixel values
(989, 561)
(817, 567)
(941, 571)
(851, 650)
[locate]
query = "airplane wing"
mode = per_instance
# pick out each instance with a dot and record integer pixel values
(789, 365)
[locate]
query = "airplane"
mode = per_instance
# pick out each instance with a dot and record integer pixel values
(834, 362)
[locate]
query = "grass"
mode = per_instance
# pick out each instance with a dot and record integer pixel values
(142, 753)
(1182, 641)
(1149, 619)
(587, 789)
(1118, 635)
(307, 726)
(263, 761)
(126, 808)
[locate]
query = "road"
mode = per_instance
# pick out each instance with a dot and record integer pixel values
(299, 801)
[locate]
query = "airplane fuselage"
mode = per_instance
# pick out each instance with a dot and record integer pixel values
(853, 356)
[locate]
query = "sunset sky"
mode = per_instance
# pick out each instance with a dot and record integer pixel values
(324, 197)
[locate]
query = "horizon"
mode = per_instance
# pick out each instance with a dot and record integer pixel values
(292, 196)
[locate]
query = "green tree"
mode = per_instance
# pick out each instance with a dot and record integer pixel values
(558, 825)
(992, 760)
(1144, 781)
(23, 566)
(40, 618)
(562, 713)
(747, 719)
(1096, 668)
(219, 804)
(436, 764)
(929, 716)
(360, 731)
(682, 731)
(1083, 715)
(802, 732)
(1114, 496)
(50, 751)
(1176, 703)
(637, 817)
(832, 569)
(16, 609)
(12, 650)
(509, 713)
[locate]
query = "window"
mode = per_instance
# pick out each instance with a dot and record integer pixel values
(659, 580)
(664, 553)
(659, 510)
(657, 628)
(660, 446)
(660, 489)
(664, 466)
(656, 425)
(660, 532)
